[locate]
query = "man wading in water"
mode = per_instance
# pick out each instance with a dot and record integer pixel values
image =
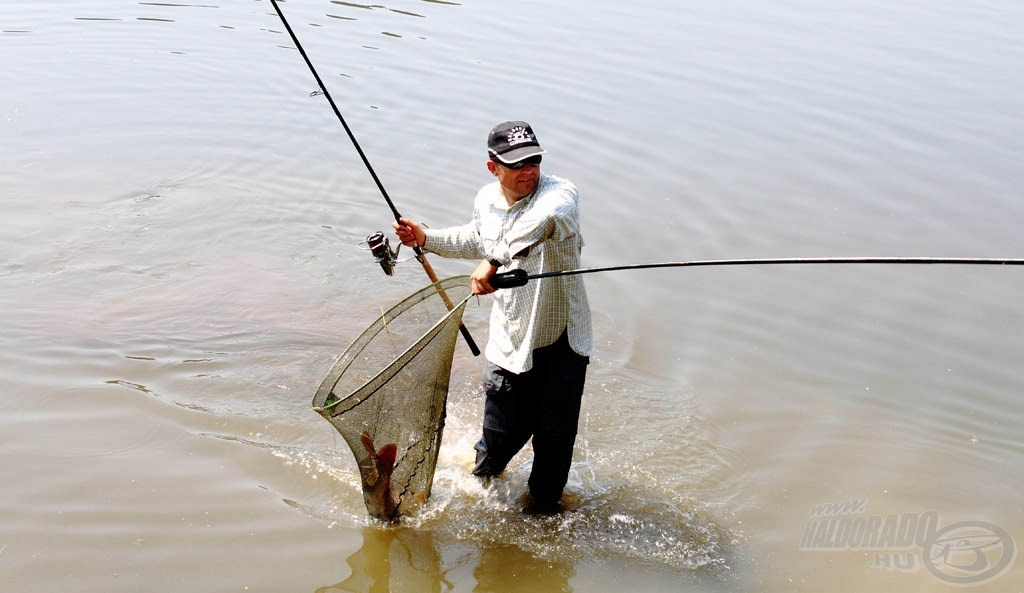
(540, 334)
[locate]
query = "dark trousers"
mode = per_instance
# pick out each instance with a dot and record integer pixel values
(543, 403)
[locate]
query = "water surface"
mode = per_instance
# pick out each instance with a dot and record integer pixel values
(179, 268)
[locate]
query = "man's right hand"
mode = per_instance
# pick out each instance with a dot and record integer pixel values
(409, 233)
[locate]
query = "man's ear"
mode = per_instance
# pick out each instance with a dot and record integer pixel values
(492, 167)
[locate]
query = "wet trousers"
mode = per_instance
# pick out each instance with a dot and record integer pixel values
(542, 403)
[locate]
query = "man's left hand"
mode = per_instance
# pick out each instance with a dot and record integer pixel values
(480, 279)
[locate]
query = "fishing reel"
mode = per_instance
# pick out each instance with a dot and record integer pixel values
(380, 248)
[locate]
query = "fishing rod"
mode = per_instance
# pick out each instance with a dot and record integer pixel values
(520, 277)
(380, 248)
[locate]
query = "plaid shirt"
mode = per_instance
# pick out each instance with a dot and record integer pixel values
(538, 233)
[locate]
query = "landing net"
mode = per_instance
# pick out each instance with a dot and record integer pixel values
(390, 388)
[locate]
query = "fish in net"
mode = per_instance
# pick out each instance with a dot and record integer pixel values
(386, 395)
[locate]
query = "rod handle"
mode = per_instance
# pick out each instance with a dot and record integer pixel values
(510, 279)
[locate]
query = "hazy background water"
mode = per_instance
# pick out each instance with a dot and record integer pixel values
(179, 270)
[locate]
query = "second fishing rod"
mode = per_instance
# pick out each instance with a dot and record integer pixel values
(520, 277)
(378, 245)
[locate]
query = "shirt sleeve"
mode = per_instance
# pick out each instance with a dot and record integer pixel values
(555, 216)
(459, 241)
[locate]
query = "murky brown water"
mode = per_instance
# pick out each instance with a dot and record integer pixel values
(178, 269)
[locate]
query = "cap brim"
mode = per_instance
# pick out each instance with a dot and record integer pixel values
(517, 154)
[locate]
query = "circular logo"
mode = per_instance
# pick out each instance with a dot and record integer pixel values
(969, 553)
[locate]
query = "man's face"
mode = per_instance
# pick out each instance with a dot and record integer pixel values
(516, 182)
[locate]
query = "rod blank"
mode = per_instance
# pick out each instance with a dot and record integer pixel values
(515, 278)
(420, 256)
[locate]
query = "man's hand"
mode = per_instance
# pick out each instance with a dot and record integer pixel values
(480, 279)
(409, 233)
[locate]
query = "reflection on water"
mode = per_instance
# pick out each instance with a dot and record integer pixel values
(393, 560)
(402, 559)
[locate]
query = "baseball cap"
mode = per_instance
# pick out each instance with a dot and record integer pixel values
(513, 141)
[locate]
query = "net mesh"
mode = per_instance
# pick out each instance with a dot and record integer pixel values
(386, 395)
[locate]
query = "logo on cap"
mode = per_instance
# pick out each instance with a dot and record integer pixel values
(518, 135)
